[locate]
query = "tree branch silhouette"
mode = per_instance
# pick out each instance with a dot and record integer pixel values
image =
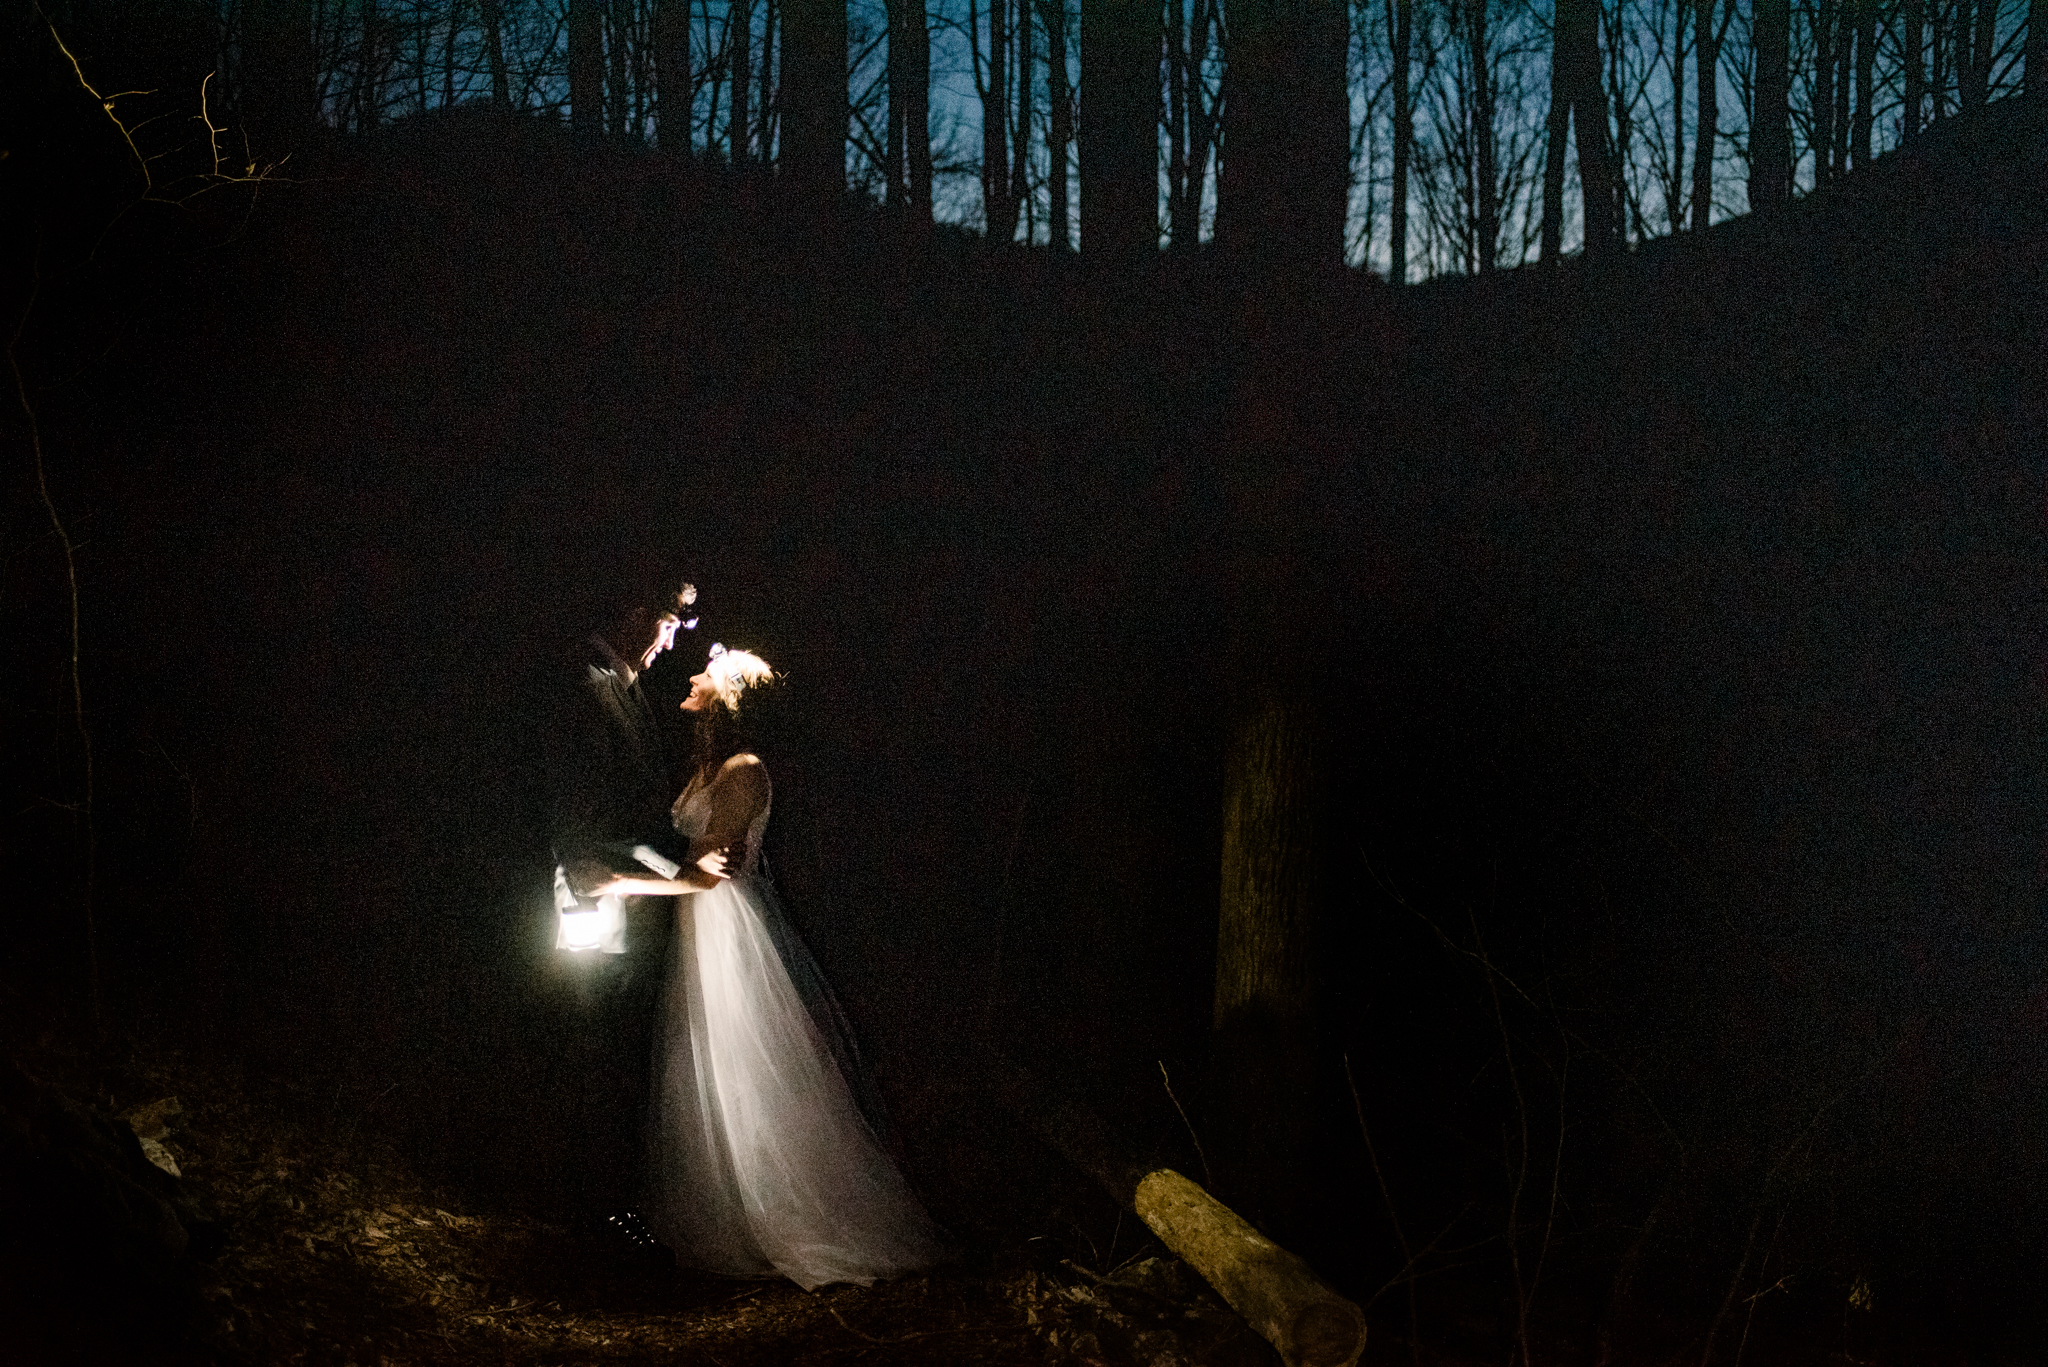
(180, 191)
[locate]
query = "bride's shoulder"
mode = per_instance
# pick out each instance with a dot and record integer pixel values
(743, 770)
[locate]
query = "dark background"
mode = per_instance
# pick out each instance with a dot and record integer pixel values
(1676, 630)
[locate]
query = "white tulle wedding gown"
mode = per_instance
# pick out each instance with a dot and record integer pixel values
(762, 1162)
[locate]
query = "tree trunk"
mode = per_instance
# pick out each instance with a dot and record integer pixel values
(910, 152)
(671, 75)
(1059, 129)
(494, 52)
(642, 79)
(1557, 134)
(278, 74)
(1577, 51)
(1266, 979)
(764, 87)
(1821, 110)
(1864, 120)
(1119, 134)
(1937, 70)
(1404, 144)
(1913, 47)
(714, 71)
(370, 70)
(1959, 46)
(1707, 96)
(1981, 52)
(621, 102)
(1674, 181)
(1959, 51)
(2037, 54)
(422, 69)
(1628, 209)
(1020, 127)
(1277, 1293)
(917, 117)
(1770, 140)
(448, 54)
(1838, 156)
(1176, 122)
(814, 103)
(998, 210)
(1285, 186)
(1486, 172)
(297, 68)
(714, 75)
(895, 181)
(739, 45)
(586, 70)
(1202, 111)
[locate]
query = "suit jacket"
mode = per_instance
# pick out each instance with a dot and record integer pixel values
(615, 776)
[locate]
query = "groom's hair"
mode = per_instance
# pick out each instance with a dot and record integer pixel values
(639, 599)
(631, 626)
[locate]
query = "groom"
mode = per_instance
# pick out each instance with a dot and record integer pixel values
(614, 782)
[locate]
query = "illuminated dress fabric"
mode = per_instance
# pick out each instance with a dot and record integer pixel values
(761, 1159)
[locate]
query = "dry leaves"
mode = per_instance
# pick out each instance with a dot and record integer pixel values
(334, 1255)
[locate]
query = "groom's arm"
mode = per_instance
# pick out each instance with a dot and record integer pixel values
(585, 829)
(595, 849)
(611, 835)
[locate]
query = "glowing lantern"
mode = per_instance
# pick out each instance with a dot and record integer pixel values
(582, 925)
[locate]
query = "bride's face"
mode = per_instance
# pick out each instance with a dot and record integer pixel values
(702, 694)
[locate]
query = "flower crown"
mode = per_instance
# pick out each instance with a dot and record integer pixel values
(734, 671)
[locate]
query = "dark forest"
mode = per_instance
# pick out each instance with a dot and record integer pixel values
(1502, 737)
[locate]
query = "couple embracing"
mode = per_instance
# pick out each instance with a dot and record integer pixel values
(752, 1142)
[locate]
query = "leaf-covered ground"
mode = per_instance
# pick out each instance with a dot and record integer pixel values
(332, 1252)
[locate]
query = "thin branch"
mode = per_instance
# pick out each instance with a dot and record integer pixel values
(1200, 1153)
(35, 440)
(1525, 1290)
(105, 102)
(1393, 1217)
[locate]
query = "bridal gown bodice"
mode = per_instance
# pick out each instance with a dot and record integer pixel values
(762, 1160)
(692, 813)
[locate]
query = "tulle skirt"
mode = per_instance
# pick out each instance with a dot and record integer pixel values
(761, 1159)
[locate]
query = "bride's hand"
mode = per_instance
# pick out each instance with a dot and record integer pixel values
(716, 865)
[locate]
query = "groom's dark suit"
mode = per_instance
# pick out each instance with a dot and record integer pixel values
(614, 782)
(619, 775)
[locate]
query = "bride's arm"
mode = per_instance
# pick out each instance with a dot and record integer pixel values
(652, 887)
(737, 796)
(707, 870)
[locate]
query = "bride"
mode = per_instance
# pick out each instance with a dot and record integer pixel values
(761, 1159)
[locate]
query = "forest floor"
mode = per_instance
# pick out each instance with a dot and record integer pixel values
(331, 1252)
(316, 1243)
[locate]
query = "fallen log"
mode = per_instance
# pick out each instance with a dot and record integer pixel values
(1278, 1294)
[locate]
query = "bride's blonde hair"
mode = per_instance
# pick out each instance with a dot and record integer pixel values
(734, 671)
(715, 737)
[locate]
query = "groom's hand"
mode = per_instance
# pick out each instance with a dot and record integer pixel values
(589, 877)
